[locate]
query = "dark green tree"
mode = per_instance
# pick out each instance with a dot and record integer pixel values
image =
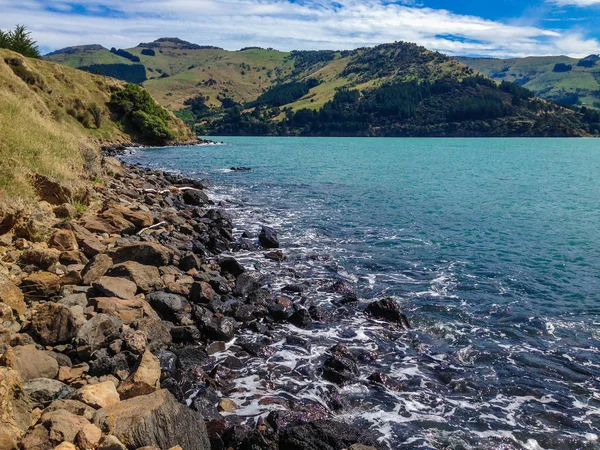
(19, 40)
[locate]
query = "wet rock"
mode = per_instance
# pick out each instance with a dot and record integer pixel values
(166, 304)
(205, 403)
(11, 295)
(227, 405)
(116, 287)
(293, 288)
(232, 362)
(156, 419)
(280, 312)
(231, 266)
(195, 198)
(99, 331)
(190, 357)
(190, 261)
(246, 284)
(147, 278)
(202, 292)
(186, 334)
(322, 435)
(220, 329)
(277, 255)
(30, 362)
(96, 268)
(101, 395)
(301, 318)
(145, 253)
(216, 347)
(144, 380)
(341, 366)
(381, 379)
(248, 313)
(54, 324)
(44, 391)
(63, 240)
(388, 309)
(268, 238)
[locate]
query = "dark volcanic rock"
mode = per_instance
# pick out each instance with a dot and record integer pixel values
(166, 304)
(245, 284)
(388, 309)
(195, 198)
(324, 435)
(220, 329)
(341, 367)
(185, 334)
(144, 253)
(301, 319)
(268, 238)
(232, 266)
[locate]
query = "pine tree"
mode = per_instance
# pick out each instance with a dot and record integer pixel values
(19, 40)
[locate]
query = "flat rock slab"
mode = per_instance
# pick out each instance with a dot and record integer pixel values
(116, 287)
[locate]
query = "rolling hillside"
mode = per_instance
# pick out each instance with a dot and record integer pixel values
(397, 89)
(574, 81)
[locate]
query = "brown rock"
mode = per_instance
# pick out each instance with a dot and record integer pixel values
(147, 278)
(73, 406)
(15, 409)
(138, 218)
(116, 287)
(157, 419)
(92, 246)
(52, 191)
(63, 426)
(110, 442)
(73, 257)
(40, 256)
(65, 211)
(11, 295)
(144, 380)
(108, 223)
(227, 405)
(136, 341)
(202, 292)
(63, 240)
(37, 439)
(99, 331)
(41, 285)
(144, 253)
(65, 446)
(126, 310)
(159, 336)
(88, 437)
(101, 395)
(54, 324)
(30, 362)
(96, 268)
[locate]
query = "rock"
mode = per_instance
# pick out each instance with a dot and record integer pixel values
(216, 347)
(116, 287)
(62, 425)
(54, 324)
(65, 446)
(202, 292)
(159, 336)
(189, 262)
(110, 222)
(101, 395)
(220, 329)
(110, 442)
(73, 406)
(140, 219)
(341, 367)
(44, 391)
(195, 198)
(190, 357)
(105, 364)
(40, 256)
(99, 331)
(91, 246)
(65, 211)
(52, 191)
(73, 257)
(276, 255)
(388, 309)
(37, 439)
(40, 285)
(246, 284)
(144, 253)
(147, 278)
(74, 300)
(155, 419)
(96, 268)
(325, 434)
(88, 437)
(30, 362)
(227, 405)
(268, 238)
(126, 310)
(11, 295)
(63, 240)
(301, 318)
(232, 266)
(186, 334)
(166, 304)
(15, 408)
(144, 380)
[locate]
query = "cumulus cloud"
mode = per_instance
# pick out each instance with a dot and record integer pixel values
(306, 24)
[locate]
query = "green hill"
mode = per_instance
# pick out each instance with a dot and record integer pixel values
(579, 85)
(397, 89)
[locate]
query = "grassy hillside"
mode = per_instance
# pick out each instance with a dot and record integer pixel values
(579, 85)
(263, 91)
(53, 120)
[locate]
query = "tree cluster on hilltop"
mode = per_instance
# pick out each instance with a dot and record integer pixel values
(19, 40)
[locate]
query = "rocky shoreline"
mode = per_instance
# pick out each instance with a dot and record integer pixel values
(112, 320)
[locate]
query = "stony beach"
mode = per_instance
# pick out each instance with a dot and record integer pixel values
(113, 315)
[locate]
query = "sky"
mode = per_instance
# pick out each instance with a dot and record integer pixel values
(497, 28)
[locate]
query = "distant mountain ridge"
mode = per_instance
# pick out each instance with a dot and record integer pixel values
(398, 89)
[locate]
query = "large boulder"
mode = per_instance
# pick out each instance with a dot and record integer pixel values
(54, 324)
(63, 240)
(324, 435)
(144, 380)
(15, 409)
(52, 191)
(41, 285)
(166, 304)
(116, 287)
(195, 197)
(146, 253)
(63, 426)
(96, 268)
(30, 362)
(388, 309)
(157, 420)
(268, 238)
(44, 391)
(126, 310)
(101, 395)
(11, 295)
(40, 256)
(147, 278)
(98, 332)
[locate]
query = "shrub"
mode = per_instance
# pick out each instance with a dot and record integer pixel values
(125, 54)
(562, 67)
(152, 127)
(19, 40)
(96, 113)
(148, 52)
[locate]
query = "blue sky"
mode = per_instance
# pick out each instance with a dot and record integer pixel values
(500, 28)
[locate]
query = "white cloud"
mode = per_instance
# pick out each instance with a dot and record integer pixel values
(312, 24)
(580, 3)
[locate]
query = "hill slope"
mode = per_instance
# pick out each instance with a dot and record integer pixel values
(53, 121)
(573, 81)
(397, 89)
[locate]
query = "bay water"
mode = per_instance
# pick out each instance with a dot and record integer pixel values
(491, 246)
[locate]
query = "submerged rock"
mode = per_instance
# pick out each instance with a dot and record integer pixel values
(341, 367)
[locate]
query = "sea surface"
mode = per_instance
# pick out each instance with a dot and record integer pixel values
(492, 247)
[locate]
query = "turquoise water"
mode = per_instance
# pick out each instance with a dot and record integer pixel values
(491, 245)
